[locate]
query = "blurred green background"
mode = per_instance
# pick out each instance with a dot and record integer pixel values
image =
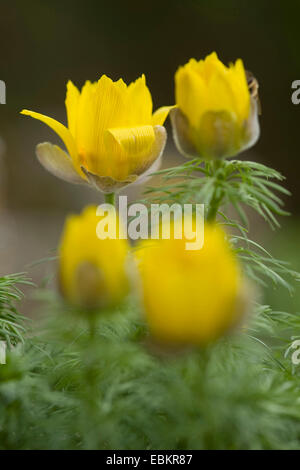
(45, 43)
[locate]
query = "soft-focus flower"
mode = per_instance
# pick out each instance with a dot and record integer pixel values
(191, 297)
(92, 272)
(216, 116)
(112, 136)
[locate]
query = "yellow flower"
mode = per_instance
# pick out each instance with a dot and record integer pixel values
(196, 297)
(92, 272)
(112, 136)
(216, 116)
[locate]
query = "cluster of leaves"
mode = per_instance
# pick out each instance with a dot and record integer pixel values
(226, 184)
(11, 322)
(224, 181)
(70, 389)
(81, 384)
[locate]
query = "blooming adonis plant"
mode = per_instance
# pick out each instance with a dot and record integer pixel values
(216, 116)
(112, 137)
(164, 372)
(92, 272)
(181, 304)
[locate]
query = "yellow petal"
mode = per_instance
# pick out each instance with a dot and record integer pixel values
(221, 94)
(195, 315)
(109, 110)
(134, 140)
(152, 163)
(72, 100)
(92, 271)
(86, 120)
(128, 148)
(191, 94)
(139, 103)
(238, 82)
(160, 115)
(59, 128)
(208, 85)
(121, 85)
(210, 66)
(139, 171)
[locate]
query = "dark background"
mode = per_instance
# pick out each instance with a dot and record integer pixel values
(45, 43)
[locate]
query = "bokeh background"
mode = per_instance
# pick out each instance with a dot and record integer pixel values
(45, 43)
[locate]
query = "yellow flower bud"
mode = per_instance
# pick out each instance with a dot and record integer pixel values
(190, 297)
(216, 116)
(92, 272)
(112, 136)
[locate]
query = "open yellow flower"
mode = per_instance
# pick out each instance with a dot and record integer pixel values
(216, 116)
(197, 296)
(92, 272)
(112, 136)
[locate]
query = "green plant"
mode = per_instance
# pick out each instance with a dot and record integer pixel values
(65, 388)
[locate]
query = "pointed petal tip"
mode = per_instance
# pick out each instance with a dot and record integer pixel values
(70, 84)
(161, 114)
(104, 78)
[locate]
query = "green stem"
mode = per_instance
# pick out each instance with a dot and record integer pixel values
(217, 196)
(212, 212)
(215, 203)
(110, 198)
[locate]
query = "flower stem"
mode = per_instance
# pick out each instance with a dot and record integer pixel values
(110, 198)
(212, 213)
(214, 207)
(217, 196)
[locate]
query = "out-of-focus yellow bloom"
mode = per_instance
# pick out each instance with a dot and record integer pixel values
(196, 297)
(112, 136)
(92, 272)
(215, 116)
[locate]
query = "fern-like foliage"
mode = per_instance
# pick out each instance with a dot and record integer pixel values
(226, 182)
(236, 184)
(12, 327)
(104, 385)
